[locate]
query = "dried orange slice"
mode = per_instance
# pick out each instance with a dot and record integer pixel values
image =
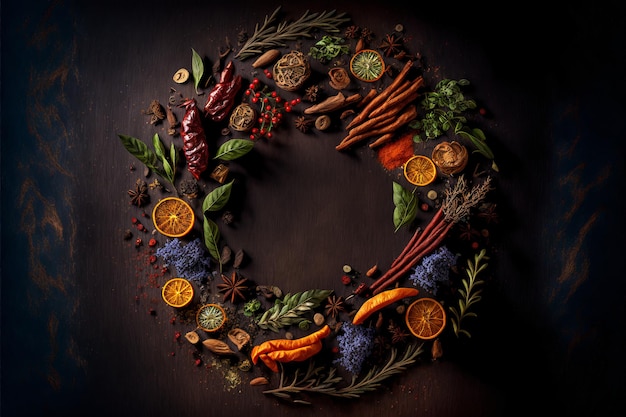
(367, 65)
(177, 292)
(173, 217)
(425, 318)
(211, 317)
(420, 170)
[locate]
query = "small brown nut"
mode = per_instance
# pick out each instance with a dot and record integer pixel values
(192, 337)
(322, 122)
(267, 58)
(260, 380)
(181, 76)
(218, 347)
(239, 337)
(318, 318)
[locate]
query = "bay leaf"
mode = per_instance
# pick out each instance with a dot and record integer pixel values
(217, 198)
(233, 149)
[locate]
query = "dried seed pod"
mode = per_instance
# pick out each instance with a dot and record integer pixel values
(239, 337)
(260, 380)
(372, 271)
(267, 58)
(239, 258)
(226, 255)
(192, 337)
(322, 122)
(218, 347)
(436, 350)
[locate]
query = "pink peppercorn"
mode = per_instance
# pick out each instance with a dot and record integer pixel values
(152, 242)
(198, 362)
(346, 280)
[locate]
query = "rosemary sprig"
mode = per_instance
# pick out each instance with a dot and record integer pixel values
(317, 381)
(269, 36)
(469, 293)
(291, 308)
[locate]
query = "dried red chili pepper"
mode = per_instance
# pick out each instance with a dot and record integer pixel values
(195, 147)
(222, 97)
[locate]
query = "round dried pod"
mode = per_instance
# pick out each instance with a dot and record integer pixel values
(450, 157)
(339, 78)
(192, 337)
(322, 122)
(291, 71)
(239, 337)
(242, 118)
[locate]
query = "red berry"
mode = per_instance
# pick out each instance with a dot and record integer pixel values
(134, 220)
(198, 362)
(346, 280)
(152, 242)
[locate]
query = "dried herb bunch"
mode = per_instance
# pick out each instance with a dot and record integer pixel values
(320, 380)
(292, 308)
(269, 35)
(469, 294)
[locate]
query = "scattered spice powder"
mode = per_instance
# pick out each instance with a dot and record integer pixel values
(395, 153)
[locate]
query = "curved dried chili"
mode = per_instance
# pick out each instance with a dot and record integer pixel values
(195, 146)
(222, 97)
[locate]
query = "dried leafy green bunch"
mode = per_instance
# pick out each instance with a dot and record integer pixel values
(291, 309)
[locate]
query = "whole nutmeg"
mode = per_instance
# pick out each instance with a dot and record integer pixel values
(339, 78)
(450, 157)
(322, 122)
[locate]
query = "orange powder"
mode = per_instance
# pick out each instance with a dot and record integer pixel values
(395, 153)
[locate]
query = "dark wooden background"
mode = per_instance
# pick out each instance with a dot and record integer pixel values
(77, 336)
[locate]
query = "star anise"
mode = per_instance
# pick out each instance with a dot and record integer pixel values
(367, 34)
(234, 287)
(303, 123)
(391, 44)
(488, 212)
(310, 94)
(398, 334)
(139, 195)
(467, 232)
(334, 306)
(352, 32)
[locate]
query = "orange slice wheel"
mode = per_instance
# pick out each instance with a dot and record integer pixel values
(420, 170)
(211, 317)
(425, 318)
(367, 65)
(177, 292)
(173, 217)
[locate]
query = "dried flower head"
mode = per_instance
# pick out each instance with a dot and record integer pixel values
(139, 195)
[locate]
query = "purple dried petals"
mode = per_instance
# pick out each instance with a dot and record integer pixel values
(434, 269)
(356, 343)
(191, 261)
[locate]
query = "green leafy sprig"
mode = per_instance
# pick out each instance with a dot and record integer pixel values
(470, 294)
(214, 201)
(328, 48)
(445, 109)
(320, 380)
(405, 203)
(150, 158)
(197, 69)
(269, 35)
(291, 308)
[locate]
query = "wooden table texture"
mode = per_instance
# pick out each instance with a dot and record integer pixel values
(85, 334)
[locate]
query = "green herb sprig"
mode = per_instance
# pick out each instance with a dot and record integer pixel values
(405, 203)
(291, 308)
(327, 48)
(320, 380)
(470, 294)
(445, 109)
(197, 69)
(150, 158)
(269, 35)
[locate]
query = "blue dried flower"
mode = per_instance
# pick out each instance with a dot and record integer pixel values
(191, 260)
(435, 268)
(356, 343)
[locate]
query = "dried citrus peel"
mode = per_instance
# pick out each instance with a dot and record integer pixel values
(381, 300)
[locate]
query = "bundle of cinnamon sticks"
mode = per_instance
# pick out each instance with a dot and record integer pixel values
(385, 112)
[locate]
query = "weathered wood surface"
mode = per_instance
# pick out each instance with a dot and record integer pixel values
(77, 335)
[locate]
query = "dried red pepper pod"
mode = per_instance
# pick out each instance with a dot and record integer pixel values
(195, 146)
(221, 99)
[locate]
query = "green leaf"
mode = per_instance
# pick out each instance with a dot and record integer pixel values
(173, 156)
(290, 309)
(233, 149)
(217, 198)
(211, 237)
(158, 146)
(197, 68)
(140, 151)
(405, 206)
